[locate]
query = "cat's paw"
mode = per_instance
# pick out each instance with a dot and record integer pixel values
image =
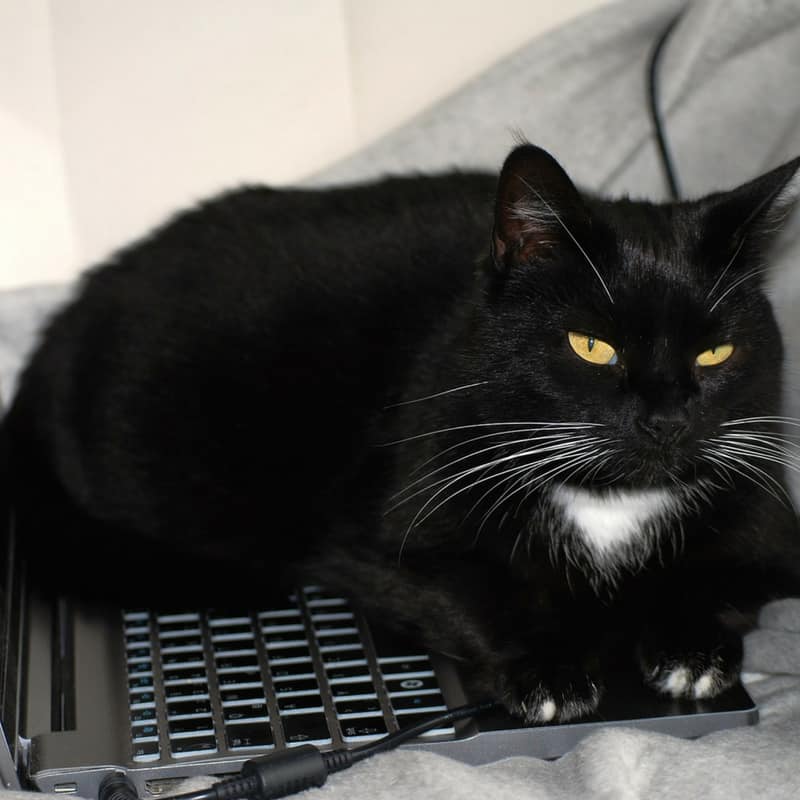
(538, 695)
(692, 663)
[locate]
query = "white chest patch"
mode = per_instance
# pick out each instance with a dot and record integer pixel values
(610, 520)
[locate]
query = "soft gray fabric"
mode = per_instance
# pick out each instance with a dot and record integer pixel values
(729, 81)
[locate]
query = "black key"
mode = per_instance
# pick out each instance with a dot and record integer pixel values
(389, 644)
(411, 684)
(174, 627)
(218, 630)
(250, 711)
(353, 671)
(337, 656)
(141, 750)
(357, 706)
(290, 670)
(251, 676)
(349, 689)
(141, 682)
(142, 697)
(235, 644)
(296, 685)
(181, 707)
(138, 652)
(417, 701)
(231, 662)
(194, 744)
(145, 730)
(409, 665)
(137, 638)
(183, 641)
(173, 659)
(251, 734)
(143, 714)
(254, 693)
(338, 640)
(305, 727)
(186, 690)
(299, 701)
(185, 674)
(134, 669)
(189, 725)
(362, 726)
(281, 653)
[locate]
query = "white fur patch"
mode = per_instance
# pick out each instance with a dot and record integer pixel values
(547, 711)
(609, 520)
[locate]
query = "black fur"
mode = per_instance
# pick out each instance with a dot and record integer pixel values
(246, 386)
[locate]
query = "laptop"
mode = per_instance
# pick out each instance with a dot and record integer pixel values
(163, 695)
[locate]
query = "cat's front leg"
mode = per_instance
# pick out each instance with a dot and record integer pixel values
(692, 655)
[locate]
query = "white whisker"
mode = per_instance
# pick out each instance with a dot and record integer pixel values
(438, 394)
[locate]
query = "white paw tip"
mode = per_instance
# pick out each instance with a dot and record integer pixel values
(676, 682)
(704, 685)
(547, 711)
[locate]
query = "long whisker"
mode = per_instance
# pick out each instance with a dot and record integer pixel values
(722, 274)
(438, 394)
(751, 274)
(490, 425)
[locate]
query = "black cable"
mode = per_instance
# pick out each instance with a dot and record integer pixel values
(667, 163)
(294, 769)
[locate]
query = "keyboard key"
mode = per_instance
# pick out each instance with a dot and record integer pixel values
(184, 674)
(280, 613)
(142, 682)
(144, 714)
(299, 684)
(186, 690)
(397, 665)
(177, 619)
(195, 745)
(338, 656)
(255, 734)
(295, 702)
(358, 706)
(350, 688)
(179, 627)
(233, 645)
(183, 707)
(280, 653)
(410, 684)
(249, 711)
(236, 662)
(362, 727)
(147, 731)
(190, 725)
(145, 751)
(138, 652)
(142, 698)
(348, 671)
(298, 669)
(217, 620)
(182, 645)
(305, 728)
(238, 695)
(135, 669)
(233, 678)
(285, 638)
(185, 657)
(349, 640)
(134, 639)
(339, 617)
(417, 701)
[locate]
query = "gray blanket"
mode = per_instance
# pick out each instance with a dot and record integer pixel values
(729, 78)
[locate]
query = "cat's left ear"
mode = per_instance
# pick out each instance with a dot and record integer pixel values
(753, 210)
(537, 207)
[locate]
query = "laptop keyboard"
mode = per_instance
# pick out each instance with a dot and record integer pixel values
(207, 684)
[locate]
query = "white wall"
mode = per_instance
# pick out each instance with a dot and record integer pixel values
(112, 114)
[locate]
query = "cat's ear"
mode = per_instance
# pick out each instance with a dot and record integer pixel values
(537, 206)
(755, 209)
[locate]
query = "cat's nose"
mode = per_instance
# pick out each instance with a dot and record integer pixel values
(666, 427)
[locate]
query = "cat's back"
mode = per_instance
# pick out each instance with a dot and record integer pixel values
(244, 343)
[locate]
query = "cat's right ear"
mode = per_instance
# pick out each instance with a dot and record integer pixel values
(537, 206)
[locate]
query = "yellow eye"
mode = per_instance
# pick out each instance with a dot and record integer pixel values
(716, 355)
(593, 350)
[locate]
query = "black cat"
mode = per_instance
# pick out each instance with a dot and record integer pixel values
(535, 428)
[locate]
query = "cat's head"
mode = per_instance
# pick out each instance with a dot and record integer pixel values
(645, 326)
